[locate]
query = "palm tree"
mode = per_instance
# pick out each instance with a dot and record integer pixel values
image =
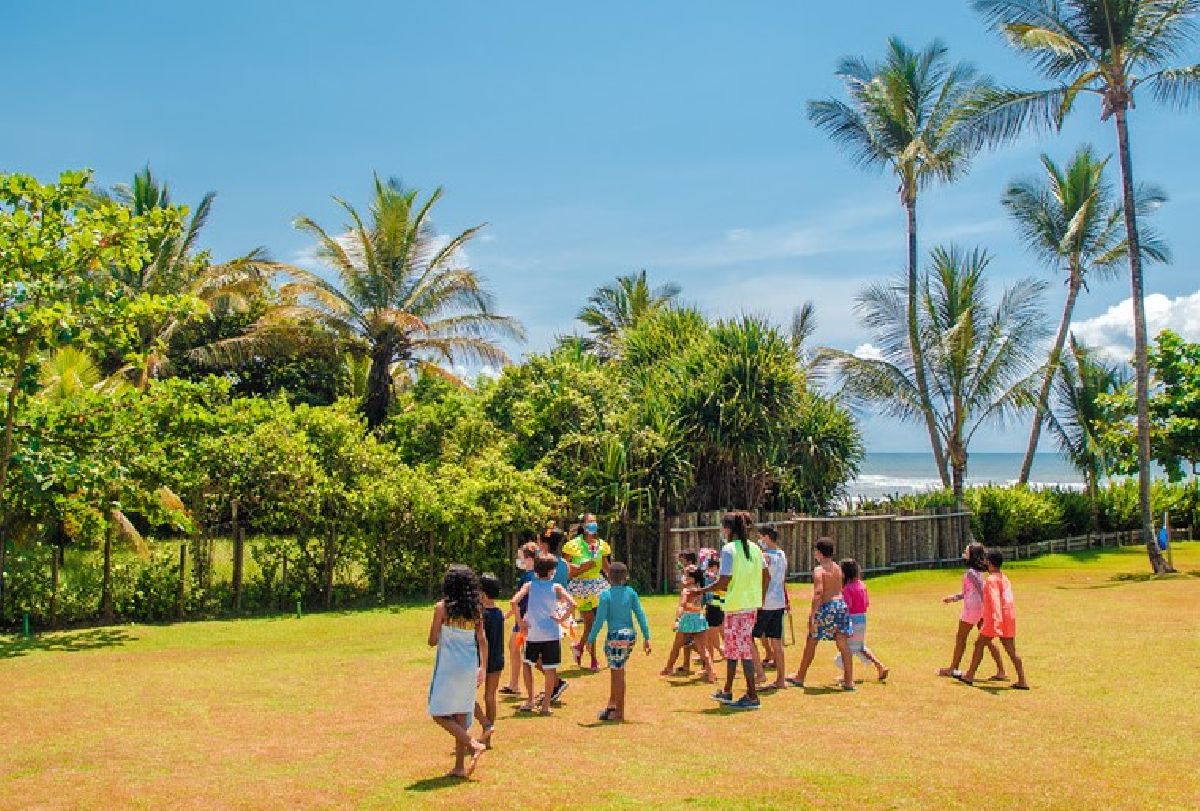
(905, 113)
(1069, 220)
(403, 292)
(1079, 419)
(615, 307)
(978, 357)
(1108, 48)
(176, 268)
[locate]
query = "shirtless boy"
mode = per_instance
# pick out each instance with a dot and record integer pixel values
(829, 618)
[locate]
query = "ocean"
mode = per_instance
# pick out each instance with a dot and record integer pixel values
(885, 474)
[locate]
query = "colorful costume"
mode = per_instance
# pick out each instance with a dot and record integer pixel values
(589, 583)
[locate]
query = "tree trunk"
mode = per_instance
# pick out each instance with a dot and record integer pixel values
(330, 547)
(1141, 362)
(958, 476)
(239, 554)
(181, 595)
(106, 598)
(1060, 340)
(914, 342)
(54, 562)
(382, 568)
(10, 416)
(379, 387)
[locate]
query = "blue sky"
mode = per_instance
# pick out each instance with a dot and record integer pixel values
(594, 141)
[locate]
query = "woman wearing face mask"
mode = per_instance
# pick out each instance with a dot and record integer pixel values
(526, 555)
(587, 557)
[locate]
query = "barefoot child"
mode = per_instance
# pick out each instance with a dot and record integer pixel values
(971, 615)
(543, 634)
(714, 611)
(618, 606)
(854, 591)
(462, 652)
(829, 618)
(769, 625)
(691, 628)
(493, 631)
(526, 555)
(999, 620)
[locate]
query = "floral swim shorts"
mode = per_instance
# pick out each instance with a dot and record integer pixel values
(739, 635)
(618, 647)
(587, 592)
(832, 619)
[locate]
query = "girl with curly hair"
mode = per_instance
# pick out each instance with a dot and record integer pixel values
(457, 632)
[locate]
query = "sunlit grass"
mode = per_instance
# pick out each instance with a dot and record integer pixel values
(328, 710)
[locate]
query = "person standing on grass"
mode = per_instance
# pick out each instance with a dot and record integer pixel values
(854, 592)
(829, 618)
(462, 654)
(551, 542)
(714, 611)
(543, 633)
(999, 620)
(587, 557)
(526, 556)
(493, 631)
(691, 628)
(743, 577)
(769, 625)
(618, 607)
(971, 615)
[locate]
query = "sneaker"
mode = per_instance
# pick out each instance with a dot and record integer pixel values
(724, 698)
(559, 689)
(746, 703)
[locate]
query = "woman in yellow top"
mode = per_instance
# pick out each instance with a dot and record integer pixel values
(587, 559)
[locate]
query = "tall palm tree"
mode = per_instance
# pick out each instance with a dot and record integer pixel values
(177, 268)
(403, 291)
(615, 307)
(905, 113)
(978, 357)
(1109, 49)
(1069, 219)
(1079, 417)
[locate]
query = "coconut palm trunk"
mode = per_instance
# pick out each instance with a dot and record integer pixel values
(914, 343)
(379, 386)
(1043, 401)
(1141, 363)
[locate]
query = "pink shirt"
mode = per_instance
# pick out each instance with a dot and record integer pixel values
(972, 591)
(855, 595)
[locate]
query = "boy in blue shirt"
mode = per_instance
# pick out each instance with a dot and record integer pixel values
(618, 606)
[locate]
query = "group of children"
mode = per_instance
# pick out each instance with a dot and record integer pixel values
(730, 601)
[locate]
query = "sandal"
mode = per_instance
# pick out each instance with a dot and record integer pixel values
(960, 677)
(508, 691)
(605, 713)
(794, 682)
(1020, 687)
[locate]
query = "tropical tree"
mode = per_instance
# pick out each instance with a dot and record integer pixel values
(1109, 49)
(613, 308)
(178, 282)
(1068, 218)
(978, 357)
(404, 294)
(905, 114)
(1080, 415)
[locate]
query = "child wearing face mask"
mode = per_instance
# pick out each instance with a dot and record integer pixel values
(526, 555)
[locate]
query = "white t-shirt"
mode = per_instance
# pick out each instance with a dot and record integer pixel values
(776, 565)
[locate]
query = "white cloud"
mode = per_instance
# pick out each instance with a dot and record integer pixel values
(1111, 333)
(868, 351)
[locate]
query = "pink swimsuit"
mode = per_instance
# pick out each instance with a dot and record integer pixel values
(972, 591)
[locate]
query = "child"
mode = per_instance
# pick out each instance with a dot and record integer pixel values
(526, 555)
(769, 624)
(854, 592)
(543, 634)
(618, 606)
(462, 651)
(971, 615)
(493, 630)
(999, 620)
(829, 618)
(685, 558)
(691, 628)
(714, 611)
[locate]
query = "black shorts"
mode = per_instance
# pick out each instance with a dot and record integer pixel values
(715, 616)
(769, 624)
(547, 654)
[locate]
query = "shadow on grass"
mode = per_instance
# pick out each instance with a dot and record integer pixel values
(69, 642)
(436, 783)
(1125, 578)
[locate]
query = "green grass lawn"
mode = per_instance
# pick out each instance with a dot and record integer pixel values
(329, 711)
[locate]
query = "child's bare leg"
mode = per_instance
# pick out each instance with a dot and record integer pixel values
(777, 655)
(994, 650)
(730, 671)
(981, 643)
(527, 672)
(810, 650)
(706, 662)
(514, 656)
(760, 674)
(676, 646)
(589, 619)
(880, 669)
(551, 683)
(843, 646)
(464, 744)
(960, 647)
(489, 696)
(618, 682)
(1010, 647)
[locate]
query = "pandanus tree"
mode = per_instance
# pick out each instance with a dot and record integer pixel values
(1068, 218)
(403, 293)
(980, 358)
(1108, 49)
(613, 308)
(905, 113)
